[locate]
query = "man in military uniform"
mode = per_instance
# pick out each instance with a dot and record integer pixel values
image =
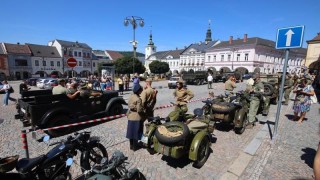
(183, 95)
(60, 89)
(149, 98)
(230, 84)
(257, 90)
(288, 85)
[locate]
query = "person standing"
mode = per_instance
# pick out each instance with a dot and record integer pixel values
(6, 88)
(257, 89)
(149, 98)
(126, 82)
(120, 84)
(103, 81)
(288, 85)
(303, 101)
(136, 80)
(135, 114)
(209, 79)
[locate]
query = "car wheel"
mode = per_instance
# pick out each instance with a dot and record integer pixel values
(203, 153)
(58, 121)
(268, 89)
(115, 109)
(173, 126)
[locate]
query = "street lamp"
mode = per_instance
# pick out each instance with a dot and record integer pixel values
(133, 21)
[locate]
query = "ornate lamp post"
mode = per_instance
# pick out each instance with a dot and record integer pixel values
(133, 21)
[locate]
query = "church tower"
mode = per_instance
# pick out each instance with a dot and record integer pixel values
(151, 48)
(208, 35)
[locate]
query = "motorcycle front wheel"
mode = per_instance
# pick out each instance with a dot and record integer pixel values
(93, 155)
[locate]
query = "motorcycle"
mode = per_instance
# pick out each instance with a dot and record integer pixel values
(115, 168)
(53, 164)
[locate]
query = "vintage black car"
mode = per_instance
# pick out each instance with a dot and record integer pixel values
(40, 109)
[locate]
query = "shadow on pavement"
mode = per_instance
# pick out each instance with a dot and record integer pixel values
(308, 156)
(269, 123)
(223, 127)
(290, 116)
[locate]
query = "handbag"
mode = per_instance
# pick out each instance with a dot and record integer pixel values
(314, 98)
(11, 90)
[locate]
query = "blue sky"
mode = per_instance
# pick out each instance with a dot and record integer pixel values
(174, 24)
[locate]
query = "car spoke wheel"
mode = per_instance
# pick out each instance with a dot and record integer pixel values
(58, 121)
(203, 153)
(93, 156)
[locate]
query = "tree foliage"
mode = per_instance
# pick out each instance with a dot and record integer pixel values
(125, 66)
(158, 67)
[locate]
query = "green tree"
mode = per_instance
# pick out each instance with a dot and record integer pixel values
(125, 65)
(158, 67)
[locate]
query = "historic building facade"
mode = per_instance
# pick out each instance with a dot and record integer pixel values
(4, 67)
(313, 54)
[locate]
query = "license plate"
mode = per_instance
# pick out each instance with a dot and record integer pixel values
(23, 110)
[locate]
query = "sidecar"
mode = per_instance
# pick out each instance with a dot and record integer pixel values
(193, 138)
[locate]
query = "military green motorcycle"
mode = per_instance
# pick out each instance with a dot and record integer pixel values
(176, 139)
(229, 113)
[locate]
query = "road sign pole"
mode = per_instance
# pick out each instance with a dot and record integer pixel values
(281, 95)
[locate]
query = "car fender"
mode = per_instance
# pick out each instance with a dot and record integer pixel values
(238, 118)
(193, 151)
(114, 100)
(50, 114)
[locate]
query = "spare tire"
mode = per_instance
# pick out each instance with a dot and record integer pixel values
(268, 89)
(223, 107)
(172, 140)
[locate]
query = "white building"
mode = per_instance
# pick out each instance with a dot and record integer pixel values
(252, 55)
(45, 60)
(80, 51)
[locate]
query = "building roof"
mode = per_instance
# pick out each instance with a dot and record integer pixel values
(175, 53)
(114, 55)
(2, 50)
(45, 51)
(201, 46)
(73, 44)
(250, 41)
(159, 55)
(17, 48)
(315, 39)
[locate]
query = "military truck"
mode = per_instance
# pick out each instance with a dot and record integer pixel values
(272, 84)
(196, 78)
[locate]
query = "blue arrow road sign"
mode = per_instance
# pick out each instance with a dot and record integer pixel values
(290, 37)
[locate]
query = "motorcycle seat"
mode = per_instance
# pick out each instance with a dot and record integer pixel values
(197, 125)
(24, 165)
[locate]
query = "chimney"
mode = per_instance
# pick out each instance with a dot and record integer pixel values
(230, 40)
(245, 37)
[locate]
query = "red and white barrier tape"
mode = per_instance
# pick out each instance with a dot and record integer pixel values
(101, 119)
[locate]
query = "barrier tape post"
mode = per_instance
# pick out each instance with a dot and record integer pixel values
(25, 143)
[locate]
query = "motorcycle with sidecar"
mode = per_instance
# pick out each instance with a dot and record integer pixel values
(176, 139)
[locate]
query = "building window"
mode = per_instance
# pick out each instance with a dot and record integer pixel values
(58, 63)
(76, 53)
(36, 62)
(44, 63)
(70, 53)
(51, 63)
(94, 64)
(222, 57)
(65, 52)
(80, 63)
(214, 58)
(246, 57)
(79, 54)
(229, 57)
(238, 57)
(209, 58)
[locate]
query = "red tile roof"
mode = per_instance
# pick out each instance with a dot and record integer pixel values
(317, 38)
(114, 55)
(17, 48)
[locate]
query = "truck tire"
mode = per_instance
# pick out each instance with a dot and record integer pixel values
(172, 140)
(228, 107)
(115, 109)
(58, 120)
(268, 89)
